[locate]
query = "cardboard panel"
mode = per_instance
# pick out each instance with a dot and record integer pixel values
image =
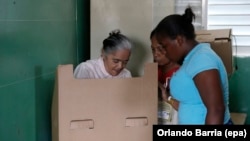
(104, 109)
(220, 40)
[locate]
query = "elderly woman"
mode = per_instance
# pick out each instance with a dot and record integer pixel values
(114, 57)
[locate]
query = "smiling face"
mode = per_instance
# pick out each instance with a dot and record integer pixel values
(159, 53)
(116, 61)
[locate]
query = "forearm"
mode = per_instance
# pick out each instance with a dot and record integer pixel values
(215, 117)
(173, 102)
(165, 95)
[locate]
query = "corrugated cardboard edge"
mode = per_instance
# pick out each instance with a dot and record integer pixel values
(213, 35)
(55, 103)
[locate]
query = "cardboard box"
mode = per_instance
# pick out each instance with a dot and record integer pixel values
(220, 40)
(104, 109)
(238, 118)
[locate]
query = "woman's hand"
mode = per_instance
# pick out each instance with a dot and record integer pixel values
(164, 93)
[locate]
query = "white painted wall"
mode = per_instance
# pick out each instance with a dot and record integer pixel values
(135, 19)
(162, 8)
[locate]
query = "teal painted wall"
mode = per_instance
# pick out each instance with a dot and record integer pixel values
(35, 37)
(239, 87)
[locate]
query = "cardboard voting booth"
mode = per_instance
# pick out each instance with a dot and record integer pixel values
(220, 40)
(119, 109)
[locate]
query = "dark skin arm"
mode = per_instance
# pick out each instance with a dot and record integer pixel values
(209, 87)
(165, 94)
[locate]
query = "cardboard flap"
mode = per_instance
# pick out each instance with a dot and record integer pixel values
(213, 35)
(78, 124)
(136, 121)
(104, 109)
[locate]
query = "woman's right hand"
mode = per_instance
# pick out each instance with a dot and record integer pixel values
(164, 93)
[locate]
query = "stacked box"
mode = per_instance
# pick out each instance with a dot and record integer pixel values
(220, 40)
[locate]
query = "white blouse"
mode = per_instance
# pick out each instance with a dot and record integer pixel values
(94, 69)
